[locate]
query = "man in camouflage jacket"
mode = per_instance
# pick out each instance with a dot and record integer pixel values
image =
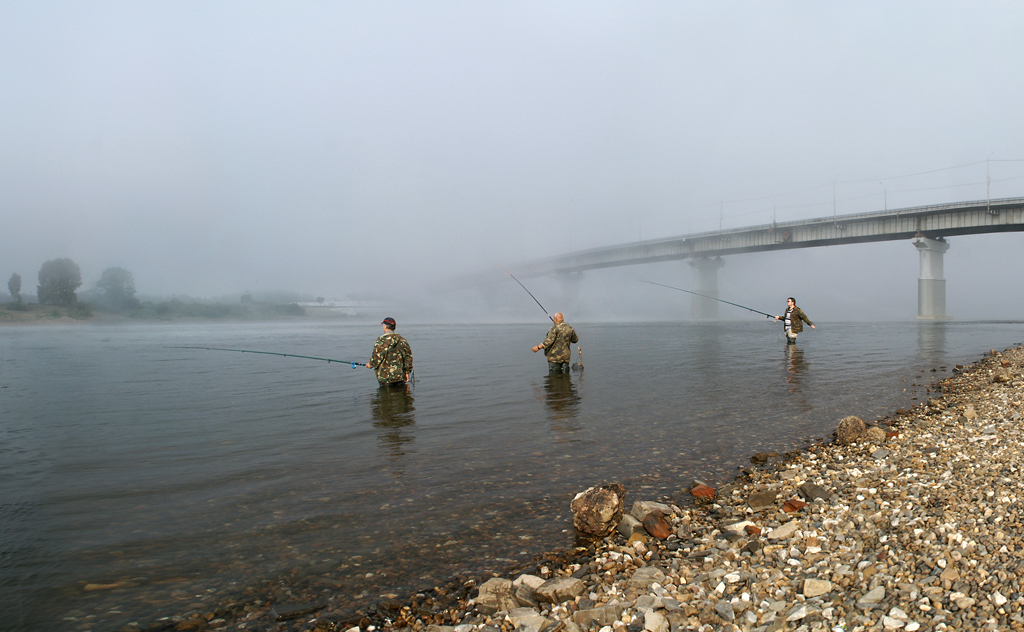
(392, 356)
(794, 320)
(556, 344)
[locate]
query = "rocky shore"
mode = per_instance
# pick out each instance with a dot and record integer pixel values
(913, 522)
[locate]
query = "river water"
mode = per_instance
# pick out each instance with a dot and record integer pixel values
(139, 480)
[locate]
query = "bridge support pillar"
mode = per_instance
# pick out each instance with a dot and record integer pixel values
(707, 283)
(931, 285)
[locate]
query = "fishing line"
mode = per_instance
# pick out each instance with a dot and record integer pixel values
(530, 293)
(285, 355)
(712, 298)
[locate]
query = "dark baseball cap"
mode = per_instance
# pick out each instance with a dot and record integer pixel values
(389, 321)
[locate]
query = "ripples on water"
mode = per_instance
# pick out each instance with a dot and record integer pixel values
(191, 476)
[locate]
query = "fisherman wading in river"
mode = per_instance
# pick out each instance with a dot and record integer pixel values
(392, 356)
(556, 344)
(794, 320)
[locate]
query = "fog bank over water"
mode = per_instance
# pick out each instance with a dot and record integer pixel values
(383, 150)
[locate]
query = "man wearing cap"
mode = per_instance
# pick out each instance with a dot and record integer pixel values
(556, 344)
(392, 356)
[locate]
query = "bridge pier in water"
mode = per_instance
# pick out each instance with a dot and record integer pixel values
(931, 285)
(707, 283)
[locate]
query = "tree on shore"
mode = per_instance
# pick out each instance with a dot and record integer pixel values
(14, 285)
(58, 280)
(117, 287)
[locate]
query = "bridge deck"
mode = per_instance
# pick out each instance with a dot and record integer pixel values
(963, 218)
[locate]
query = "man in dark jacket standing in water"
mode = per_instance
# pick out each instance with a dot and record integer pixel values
(794, 320)
(556, 344)
(392, 356)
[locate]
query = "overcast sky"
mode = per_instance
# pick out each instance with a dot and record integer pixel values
(343, 147)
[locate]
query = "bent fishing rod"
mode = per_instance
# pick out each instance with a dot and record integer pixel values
(712, 298)
(530, 293)
(285, 355)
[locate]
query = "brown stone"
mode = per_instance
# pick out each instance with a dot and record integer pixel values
(873, 434)
(657, 525)
(793, 505)
(849, 430)
(703, 492)
(598, 510)
(637, 537)
(753, 529)
(762, 500)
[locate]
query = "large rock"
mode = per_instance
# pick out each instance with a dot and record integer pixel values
(816, 587)
(598, 617)
(629, 525)
(874, 434)
(738, 529)
(528, 620)
(643, 507)
(759, 501)
(495, 594)
(873, 596)
(784, 532)
(645, 576)
(525, 596)
(559, 589)
(598, 510)
(813, 491)
(524, 587)
(849, 430)
(655, 622)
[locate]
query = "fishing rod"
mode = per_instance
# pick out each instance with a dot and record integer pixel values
(712, 298)
(286, 355)
(530, 293)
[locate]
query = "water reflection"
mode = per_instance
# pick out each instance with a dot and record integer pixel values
(707, 361)
(796, 366)
(392, 411)
(931, 341)
(796, 374)
(563, 401)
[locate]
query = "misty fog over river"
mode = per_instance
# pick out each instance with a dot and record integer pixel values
(169, 480)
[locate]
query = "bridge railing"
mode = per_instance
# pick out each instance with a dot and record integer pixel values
(910, 210)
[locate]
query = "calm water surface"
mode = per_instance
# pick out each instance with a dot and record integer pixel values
(187, 478)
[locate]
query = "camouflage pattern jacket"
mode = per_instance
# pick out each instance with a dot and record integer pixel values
(797, 318)
(392, 358)
(556, 345)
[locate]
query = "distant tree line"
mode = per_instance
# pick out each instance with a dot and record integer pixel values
(59, 280)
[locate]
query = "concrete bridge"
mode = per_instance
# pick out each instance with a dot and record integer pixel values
(925, 226)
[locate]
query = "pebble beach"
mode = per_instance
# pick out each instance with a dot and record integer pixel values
(911, 522)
